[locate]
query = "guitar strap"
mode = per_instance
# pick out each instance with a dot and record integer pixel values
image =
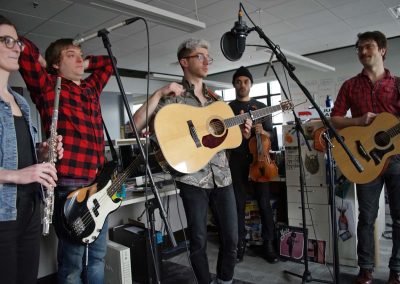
(110, 144)
(397, 82)
(213, 95)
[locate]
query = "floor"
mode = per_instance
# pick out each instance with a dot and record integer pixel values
(254, 269)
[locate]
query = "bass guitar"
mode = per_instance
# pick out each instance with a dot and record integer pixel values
(189, 136)
(86, 209)
(371, 145)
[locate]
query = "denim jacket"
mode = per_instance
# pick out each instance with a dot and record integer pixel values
(9, 153)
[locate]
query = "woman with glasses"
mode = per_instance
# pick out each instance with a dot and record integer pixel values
(21, 177)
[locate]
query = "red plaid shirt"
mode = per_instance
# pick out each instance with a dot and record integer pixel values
(361, 96)
(79, 119)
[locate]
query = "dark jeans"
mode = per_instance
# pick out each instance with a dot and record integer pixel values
(71, 255)
(368, 201)
(222, 203)
(20, 241)
(239, 165)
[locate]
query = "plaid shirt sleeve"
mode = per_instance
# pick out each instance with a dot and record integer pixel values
(101, 70)
(35, 76)
(342, 105)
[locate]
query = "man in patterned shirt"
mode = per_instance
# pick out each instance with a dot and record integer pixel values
(210, 186)
(80, 123)
(369, 93)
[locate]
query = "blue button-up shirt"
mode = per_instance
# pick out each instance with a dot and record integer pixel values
(9, 153)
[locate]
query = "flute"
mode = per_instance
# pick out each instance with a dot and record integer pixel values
(49, 193)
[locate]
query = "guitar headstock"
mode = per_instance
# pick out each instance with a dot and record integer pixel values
(287, 105)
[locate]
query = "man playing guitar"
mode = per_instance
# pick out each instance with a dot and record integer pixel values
(80, 123)
(211, 185)
(368, 94)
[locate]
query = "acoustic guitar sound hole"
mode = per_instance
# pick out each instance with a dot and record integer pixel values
(216, 127)
(382, 139)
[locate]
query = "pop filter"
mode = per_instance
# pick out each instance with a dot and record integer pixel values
(229, 46)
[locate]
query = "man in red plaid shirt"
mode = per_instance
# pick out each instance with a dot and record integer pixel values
(369, 93)
(80, 123)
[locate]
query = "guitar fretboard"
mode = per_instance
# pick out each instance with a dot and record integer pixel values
(117, 183)
(393, 131)
(253, 115)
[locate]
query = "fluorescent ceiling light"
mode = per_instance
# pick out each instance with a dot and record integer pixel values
(151, 13)
(295, 58)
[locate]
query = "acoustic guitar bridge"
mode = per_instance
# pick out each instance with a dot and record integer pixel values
(362, 152)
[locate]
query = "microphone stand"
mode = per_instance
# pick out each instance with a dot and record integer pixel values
(306, 277)
(150, 205)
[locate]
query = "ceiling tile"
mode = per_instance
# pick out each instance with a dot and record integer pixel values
(295, 9)
(46, 8)
(372, 19)
(84, 16)
(335, 3)
(354, 9)
(316, 19)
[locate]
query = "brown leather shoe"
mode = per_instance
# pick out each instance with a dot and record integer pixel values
(394, 277)
(364, 276)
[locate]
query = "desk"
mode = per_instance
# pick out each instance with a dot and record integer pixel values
(134, 205)
(137, 197)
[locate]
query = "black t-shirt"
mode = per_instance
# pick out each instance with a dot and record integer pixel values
(252, 104)
(25, 149)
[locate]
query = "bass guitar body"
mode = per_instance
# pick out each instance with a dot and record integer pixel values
(86, 209)
(371, 145)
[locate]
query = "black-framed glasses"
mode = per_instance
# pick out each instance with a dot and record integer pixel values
(10, 42)
(201, 57)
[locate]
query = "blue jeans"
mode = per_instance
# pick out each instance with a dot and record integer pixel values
(222, 203)
(368, 200)
(71, 256)
(20, 239)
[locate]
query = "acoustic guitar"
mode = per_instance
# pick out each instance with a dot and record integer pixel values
(371, 145)
(189, 136)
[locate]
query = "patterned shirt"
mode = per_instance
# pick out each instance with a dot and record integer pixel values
(216, 173)
(360, 95)
(79, 118)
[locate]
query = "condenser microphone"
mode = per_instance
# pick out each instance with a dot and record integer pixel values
(80, 40)
(233, 42)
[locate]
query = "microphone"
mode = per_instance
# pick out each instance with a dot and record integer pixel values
(79, 40)
(269, 63)
(233, 42)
